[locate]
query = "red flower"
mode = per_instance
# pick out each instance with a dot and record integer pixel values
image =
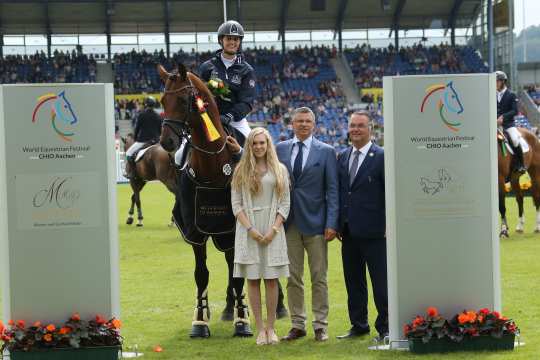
(496, 314)
(100, 320)
(418, 321)
(432, 311)
(406, 329)
(511, 328)
(76, 317)
(11, 322)
(484, 311)
(37, 324)
(2, 327)
(21, 324)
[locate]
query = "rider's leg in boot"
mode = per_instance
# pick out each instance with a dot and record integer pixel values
(129, 170)
(520, 161)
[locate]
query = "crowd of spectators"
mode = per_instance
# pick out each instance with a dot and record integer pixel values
(38, 68)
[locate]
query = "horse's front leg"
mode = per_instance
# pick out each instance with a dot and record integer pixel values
(241, 313)
(201, 316)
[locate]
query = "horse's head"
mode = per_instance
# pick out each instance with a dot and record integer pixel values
(451, 99)
(63, 109)
(177, 100)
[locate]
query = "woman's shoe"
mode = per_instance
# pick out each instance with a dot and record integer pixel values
(262, 338)
(272, 337)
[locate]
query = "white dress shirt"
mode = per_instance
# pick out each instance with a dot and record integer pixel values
(305, 150)
(363, 152)
(500, 94)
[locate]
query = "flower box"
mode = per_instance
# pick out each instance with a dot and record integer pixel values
(478, 343)
(90, 353)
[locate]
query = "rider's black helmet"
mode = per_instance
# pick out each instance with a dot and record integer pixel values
(230, 28)
(150, 102)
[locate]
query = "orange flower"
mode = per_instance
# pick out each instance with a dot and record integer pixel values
(504, 318)
(47, 337)
(463, 318)
(418, 321)
(76, 317)
(11, 322)
(480, 318)
(64, 330)
(21, 324)
(2, 327)
(432, 311)
(117, 324)
(37, 324)
(50, 328)
(100, 320)
(472, 316)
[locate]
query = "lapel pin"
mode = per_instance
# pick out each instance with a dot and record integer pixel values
(370, 154)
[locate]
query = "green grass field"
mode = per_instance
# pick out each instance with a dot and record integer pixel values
(158, 295)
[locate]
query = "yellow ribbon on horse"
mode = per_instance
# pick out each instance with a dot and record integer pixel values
(212, 134)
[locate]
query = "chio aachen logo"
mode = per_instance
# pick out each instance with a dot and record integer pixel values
(62, 116)
(448, 102)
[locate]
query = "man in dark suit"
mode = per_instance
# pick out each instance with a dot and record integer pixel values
(506, 111)
(363, 226)
(312, 221)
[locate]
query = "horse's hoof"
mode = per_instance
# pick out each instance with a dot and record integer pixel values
(537, 231)
(242, 329)
(129, 221)
(282, 312)
(139, 224)
(227, 314)
(199, 332)
(504, 233)
(519, 231)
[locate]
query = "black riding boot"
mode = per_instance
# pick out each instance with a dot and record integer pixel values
(519, 165)
(129, 170)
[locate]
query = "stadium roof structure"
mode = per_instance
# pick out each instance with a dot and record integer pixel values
(177, 16)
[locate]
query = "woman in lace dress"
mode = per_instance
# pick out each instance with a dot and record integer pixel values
(260, 202)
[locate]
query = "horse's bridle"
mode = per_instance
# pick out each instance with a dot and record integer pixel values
(178, 126)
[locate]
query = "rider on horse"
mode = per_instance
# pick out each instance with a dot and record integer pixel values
(147, 130)
(228, 65)
(506, 110)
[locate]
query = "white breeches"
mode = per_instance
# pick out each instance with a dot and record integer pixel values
(517, 139)
(134, 148)
(241, 126)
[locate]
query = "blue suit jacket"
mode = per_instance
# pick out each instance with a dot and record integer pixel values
(362, 204)
(314, 197)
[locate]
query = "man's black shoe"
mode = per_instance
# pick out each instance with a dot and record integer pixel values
(355, 332)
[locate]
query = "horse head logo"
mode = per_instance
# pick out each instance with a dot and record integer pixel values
(62, 116)
(449, 101)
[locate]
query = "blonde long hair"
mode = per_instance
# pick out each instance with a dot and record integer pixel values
(246, 175)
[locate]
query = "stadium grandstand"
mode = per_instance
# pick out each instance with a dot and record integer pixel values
(329, 55)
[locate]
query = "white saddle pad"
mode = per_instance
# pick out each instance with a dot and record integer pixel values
(140, 154)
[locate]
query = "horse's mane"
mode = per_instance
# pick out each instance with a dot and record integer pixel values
(206, 95)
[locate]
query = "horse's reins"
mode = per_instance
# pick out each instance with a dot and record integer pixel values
(178, 126)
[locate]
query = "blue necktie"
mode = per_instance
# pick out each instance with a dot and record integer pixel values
(297, 169)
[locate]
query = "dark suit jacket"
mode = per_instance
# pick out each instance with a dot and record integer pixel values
(507, 107)
(362, 205)
(314, 197)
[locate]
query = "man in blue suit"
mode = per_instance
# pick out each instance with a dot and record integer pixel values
(363, 226)
(312, 221)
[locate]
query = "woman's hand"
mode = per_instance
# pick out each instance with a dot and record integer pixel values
(256, 235)
(269, 236)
